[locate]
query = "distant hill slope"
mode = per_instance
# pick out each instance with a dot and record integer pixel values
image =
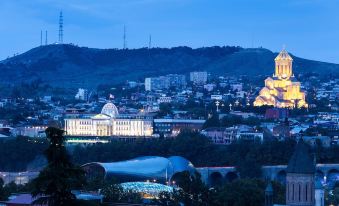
(71, 66)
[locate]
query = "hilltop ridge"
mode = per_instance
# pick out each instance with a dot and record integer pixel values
(66, 65)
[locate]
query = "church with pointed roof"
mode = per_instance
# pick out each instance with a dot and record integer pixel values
(302, 188)
(282, 90)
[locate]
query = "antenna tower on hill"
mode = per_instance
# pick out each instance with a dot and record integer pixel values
(61, 28)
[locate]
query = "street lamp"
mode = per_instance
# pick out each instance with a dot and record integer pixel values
(217, 103)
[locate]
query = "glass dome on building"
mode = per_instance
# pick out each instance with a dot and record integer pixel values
(148, 189)
(110, 109)
(144, 168)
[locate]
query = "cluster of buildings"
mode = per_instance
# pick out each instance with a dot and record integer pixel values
(170, 104)
(110, 123)
(177, 81)
(165, 82)
(329, 91)
(166, 105)
(228, 135)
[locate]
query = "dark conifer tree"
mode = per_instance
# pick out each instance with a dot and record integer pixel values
(54, 184)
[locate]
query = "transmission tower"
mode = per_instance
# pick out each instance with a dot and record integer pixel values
(41, 38)
(125, 43)
(150, 42)
(61, 28)
(46, 38)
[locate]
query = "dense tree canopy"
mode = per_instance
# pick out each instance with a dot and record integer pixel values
(200, 151)
(16, 154)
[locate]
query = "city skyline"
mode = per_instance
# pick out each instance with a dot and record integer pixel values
(297, 24)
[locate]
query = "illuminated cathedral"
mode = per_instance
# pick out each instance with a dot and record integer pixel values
(282, 90)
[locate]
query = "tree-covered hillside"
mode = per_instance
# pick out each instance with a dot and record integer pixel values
(71, 66)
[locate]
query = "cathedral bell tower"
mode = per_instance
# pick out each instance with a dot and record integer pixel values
(283, 65)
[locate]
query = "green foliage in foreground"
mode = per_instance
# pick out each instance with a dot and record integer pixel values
(16, 154)
(193, 192)
(55, 182)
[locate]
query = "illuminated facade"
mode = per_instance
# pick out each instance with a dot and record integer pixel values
(282, 90)
(109, 123)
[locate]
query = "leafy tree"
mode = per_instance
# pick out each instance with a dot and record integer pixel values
(169, 198)
(193, 191)
(332, 196)
(113, 192)
(249, 192)
(54, 184)
(249, 168)
(213, 121)
(231, 120)
(94, 184)
(279, 193)
(3, 194)
(16, 154)
(165, 109)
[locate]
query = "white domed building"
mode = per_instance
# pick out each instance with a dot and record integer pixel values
(109, 123)
(110, 110)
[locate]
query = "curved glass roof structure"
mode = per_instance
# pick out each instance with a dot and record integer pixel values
(149, 188)
(141, 169)
(110, 110)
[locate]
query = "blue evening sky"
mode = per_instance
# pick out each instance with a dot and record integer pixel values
(308, 28)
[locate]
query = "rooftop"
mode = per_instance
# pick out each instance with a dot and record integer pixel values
(301, 161)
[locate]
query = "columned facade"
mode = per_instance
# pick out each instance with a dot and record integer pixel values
(109, 123)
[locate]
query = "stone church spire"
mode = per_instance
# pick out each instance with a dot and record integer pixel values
(300, 177)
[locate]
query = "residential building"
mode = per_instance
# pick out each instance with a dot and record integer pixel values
(82, 94)
(165, 82)
(172, 127)
(199, 78)
(276, 113)
(223, 135)
(236, 87)
(164, 99)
